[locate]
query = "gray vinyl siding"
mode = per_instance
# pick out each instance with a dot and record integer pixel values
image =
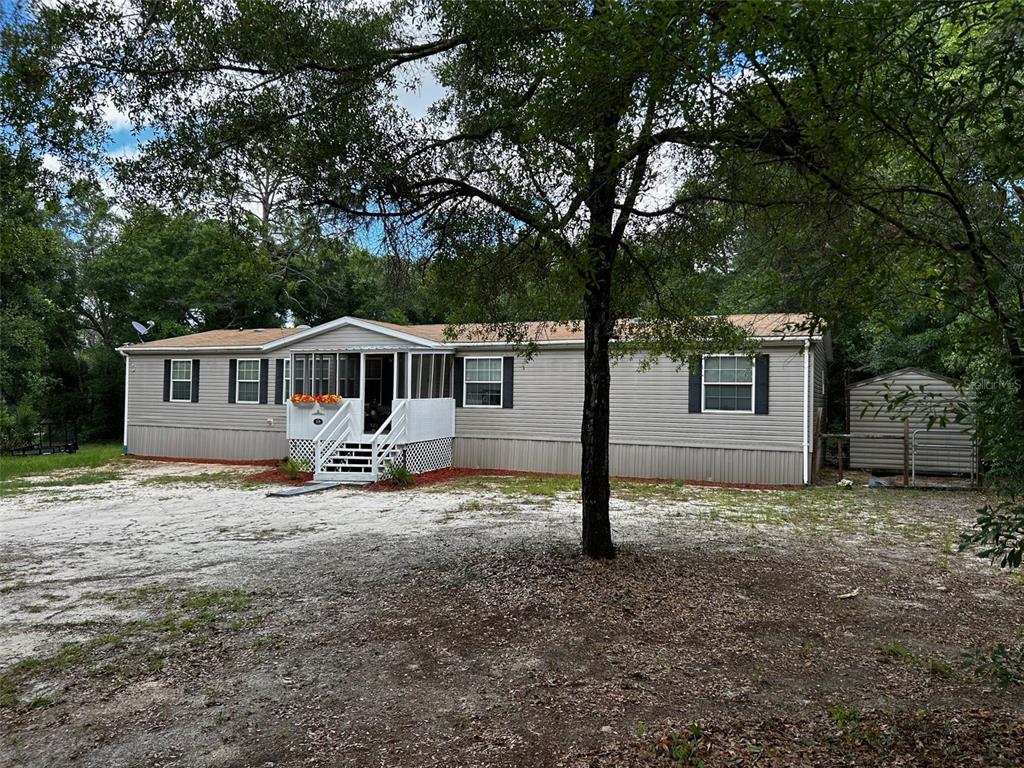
(938, 452)
(819, 377)
(199, 443)
(348, 336)
(818, 416)
(647, 407)
(666, 462)
(652, 432)
(211, 428)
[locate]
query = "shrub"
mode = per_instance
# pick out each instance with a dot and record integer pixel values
(1003, 666)
(17, 426)
(398, 474)
(292, 467)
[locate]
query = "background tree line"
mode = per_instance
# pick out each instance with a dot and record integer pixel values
(78, 269)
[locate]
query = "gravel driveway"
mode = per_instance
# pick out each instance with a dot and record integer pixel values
(176, 616)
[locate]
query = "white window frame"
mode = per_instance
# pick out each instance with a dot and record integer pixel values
(466, 382)
(239, 380)
(286, 380)
(704, 384)
(191, 381)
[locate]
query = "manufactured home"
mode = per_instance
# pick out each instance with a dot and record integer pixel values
(352, 396)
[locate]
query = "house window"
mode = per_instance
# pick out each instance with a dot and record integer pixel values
(728, 383)
(483, 382)
(181, 381)
(286, 376)
(248, 382)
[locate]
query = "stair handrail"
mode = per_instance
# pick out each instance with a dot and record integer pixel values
(335, 432)
(383, 441)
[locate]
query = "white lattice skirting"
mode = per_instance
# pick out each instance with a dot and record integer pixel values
(429, 455)
(302, 450)
(419, 457)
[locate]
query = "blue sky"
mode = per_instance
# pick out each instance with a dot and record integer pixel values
(125, 139)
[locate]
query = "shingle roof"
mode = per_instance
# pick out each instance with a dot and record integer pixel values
(232, 337)
(760, 325)
(769, 324)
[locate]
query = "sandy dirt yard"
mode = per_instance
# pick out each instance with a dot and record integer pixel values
(172, 615)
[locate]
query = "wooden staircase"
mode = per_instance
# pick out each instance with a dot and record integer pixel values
(353, 463)
(342, 458)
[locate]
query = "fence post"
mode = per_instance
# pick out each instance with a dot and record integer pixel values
(839, 440)
(906, 454)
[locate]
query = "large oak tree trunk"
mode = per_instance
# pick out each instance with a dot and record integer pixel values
(597, 533)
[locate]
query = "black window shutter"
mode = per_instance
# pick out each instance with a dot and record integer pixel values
(460, 364)
(507, 376)
(264, 379)
(167, 380)
(232, 375)
(195, 381)
(401, 374)
(279, 381)
(761, 384)
(696, 381)
(356, 359)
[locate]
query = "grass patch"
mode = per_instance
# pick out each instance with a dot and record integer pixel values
(182, 621)
(939, 668)
(894, 650)
(18, 486)
(229, 479)
(514, 485)
(88, 456)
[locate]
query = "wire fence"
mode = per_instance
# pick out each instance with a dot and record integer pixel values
(48, 437)
(915, 458)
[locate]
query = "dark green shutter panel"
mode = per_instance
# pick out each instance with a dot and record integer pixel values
(167, 380)
(264, 380)
(401, 373)
(459, 373)
(507, 375)
(356, 359)
(195, 381)
(279, 382)
(696, 380)
(232, 375)
(761, 384)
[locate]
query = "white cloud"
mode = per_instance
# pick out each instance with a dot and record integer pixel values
(116, 119)
(125, 152)
(419, 92)
(52, 163)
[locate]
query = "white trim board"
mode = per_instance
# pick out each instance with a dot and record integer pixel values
(354, 322)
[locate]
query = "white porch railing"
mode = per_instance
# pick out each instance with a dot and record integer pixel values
(391, 434)
(339, 429)
(343, 451)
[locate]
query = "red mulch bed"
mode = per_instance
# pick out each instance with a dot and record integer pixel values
(430, 478)
(437, 476)
(278, 477)
(454, 473)
(179, 459)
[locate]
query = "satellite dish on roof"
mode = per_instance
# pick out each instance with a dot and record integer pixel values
(141, 329)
